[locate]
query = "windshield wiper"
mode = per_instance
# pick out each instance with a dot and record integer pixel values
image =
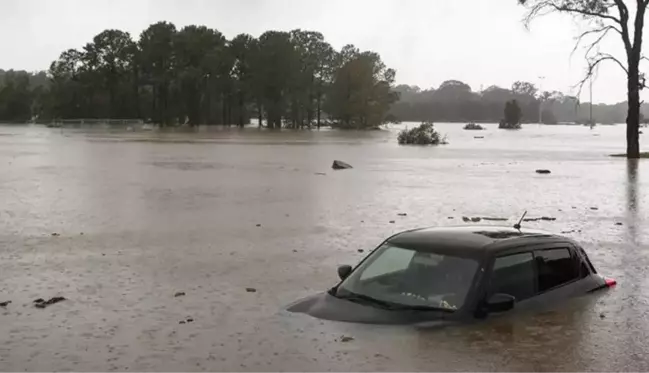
(406, 307)
(365, 299)
(354, 297)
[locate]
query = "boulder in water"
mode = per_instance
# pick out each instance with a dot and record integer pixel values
(340, 165)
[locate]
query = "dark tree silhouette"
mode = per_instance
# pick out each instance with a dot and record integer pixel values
(607, 17)
(513, 114)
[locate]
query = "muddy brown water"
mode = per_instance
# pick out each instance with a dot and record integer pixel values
(140, 216)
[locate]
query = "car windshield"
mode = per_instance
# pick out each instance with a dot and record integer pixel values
(410, 278)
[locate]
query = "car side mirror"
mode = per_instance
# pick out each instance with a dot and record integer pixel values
(344, 271)
(500, 302)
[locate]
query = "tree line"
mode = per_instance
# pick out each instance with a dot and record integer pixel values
(196, 76)
(455, 101)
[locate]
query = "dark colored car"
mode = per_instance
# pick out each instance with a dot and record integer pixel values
(451, 274)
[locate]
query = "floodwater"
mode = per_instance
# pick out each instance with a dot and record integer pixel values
(139, 216)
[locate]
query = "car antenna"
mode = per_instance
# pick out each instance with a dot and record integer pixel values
(518, 225)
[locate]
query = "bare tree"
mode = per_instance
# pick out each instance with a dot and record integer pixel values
(603, 18)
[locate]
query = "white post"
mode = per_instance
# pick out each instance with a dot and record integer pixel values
(541, 99)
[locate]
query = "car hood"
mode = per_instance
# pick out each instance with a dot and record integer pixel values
(325, 306)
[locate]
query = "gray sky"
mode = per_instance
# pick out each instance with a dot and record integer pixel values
(480, 42)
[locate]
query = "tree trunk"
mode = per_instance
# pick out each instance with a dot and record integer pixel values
(319, 109)
(633, 83)
(224, 114)
(633, 115)
(241, 105)
(260, 114)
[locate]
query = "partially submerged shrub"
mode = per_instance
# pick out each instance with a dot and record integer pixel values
(424, 134)
(473, 126)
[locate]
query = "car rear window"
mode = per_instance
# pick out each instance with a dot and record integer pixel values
(555, 267)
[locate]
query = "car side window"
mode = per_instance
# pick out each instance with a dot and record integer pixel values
(514, 275)
(555, 267)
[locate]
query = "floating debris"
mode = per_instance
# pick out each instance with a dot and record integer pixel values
(55, 234)
(251, 290)
(544, 218)
(392, 221)
(346, 339)
(179, 294)
(494, 219)
(543, 171)
(320, 173)
(5, 303)
(402, 214)
(40, 303)
(360, 250)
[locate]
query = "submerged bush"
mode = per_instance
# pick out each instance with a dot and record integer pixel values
(473, 126)
(424, 134)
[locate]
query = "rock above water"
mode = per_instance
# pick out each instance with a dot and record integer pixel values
(543, 171)
(5, 304)
(340, 165)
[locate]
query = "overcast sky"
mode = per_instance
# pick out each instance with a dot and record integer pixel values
(481, 42)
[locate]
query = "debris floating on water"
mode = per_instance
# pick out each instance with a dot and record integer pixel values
(346, 339)
(40, 303)
(544, 218)
(5, 303)
(402, 214)
(179, 294)
(55, 234)
(543, 171)
(251, 290)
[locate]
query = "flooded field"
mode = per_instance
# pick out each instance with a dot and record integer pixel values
(119, 222)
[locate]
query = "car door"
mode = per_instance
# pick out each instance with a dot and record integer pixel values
(559, 274)
(513, 273)
(538, 275)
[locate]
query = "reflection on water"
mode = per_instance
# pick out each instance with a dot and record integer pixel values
(211, 212)
(632, 198)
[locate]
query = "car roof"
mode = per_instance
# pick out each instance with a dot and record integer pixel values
(472, 240)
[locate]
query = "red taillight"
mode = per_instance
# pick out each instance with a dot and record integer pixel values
(610, 282)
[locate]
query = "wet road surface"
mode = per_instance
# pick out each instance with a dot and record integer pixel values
(140, 216)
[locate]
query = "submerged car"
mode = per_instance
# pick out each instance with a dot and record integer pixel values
(457, 274)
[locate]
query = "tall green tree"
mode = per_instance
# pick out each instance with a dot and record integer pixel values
(197, 50)
(361, 93)
(158, 67)
(513, 113)
(15, 97)
(276, 67)
(112, 53)
(242, 51)
(623, 18)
